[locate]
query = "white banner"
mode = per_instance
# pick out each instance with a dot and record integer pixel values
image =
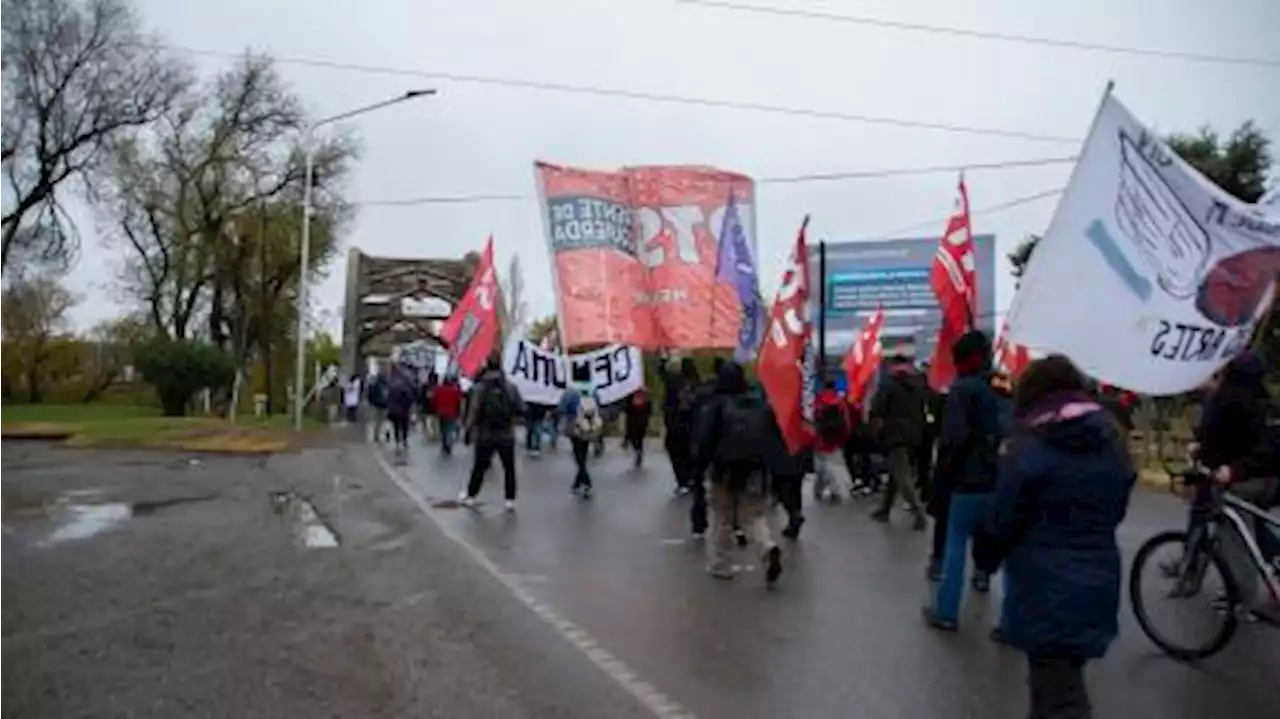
(1150, 277)
(540, 375)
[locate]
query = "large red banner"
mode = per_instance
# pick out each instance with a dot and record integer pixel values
(782, 367)
(634, 254)
(472, 329)
(864, 358)
(955, 284)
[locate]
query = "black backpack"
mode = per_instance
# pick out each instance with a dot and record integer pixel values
(744, 424)
(496, 409)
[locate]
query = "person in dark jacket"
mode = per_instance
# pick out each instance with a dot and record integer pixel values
(677, 418)
(928, 440)
(786, 475)
(897, 413)
(1064, 486)
(401, 396)
(974, 422)
(636, 422)
(698, 466)
(492, 409)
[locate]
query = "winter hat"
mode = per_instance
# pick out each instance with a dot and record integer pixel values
(971, 352)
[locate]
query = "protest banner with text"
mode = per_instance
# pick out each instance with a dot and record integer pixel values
(616, 371)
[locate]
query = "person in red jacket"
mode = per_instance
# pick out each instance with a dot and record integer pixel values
(446, 400)
(831, 419)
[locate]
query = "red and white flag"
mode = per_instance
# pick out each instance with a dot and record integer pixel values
(863, 359)
(1010, 357)
(954, 282)
(782, 365)
(471, 332)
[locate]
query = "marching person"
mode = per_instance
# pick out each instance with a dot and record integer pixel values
(698, 465)
(351, 394)
(534, 416)
(897, 411)
(426, 406)
(447, 403)
(680, 383)
(636, 423)
(492, 410)
(831, 414)
(378, 403)
(1062, 568)
(401, 396)
(580, 410)
(734, 437)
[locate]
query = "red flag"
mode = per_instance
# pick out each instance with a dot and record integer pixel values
(954, 283)
(472, 329)
(863, 359)
(782, 366)
(1009, 357)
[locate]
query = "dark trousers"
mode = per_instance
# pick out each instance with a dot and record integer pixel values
(635, 441)
(698, 508)
(484, 457)
(1057, 688)
(789, 493)
(581, 448)
(399, 426)
(924, 468)
(681, 454)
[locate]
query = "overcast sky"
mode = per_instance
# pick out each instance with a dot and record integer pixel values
(482, 139)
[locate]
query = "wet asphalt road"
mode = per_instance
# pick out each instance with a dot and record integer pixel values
(841, 636)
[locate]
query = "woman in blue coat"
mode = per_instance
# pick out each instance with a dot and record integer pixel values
(1064, 486)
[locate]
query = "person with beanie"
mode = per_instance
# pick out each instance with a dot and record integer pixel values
(975, 420)
(897, 414)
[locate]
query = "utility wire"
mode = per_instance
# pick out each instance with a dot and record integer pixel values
(989, 210)
(1183, 55)
(643, 95)
(792, 179)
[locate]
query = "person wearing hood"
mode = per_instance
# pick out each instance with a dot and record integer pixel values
(1064, 486)
(681, 386)
(733, 440)
(636, 423)
(401, 396)
(897, 414)
(580, 411)
(492, 409)
(1237, 444)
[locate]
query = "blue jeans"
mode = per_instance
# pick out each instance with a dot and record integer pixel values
(968, 511)
(448, 434)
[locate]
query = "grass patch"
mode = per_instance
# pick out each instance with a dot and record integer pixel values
(132, 426)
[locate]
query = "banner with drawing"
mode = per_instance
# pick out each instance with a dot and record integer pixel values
(1149, 277)
(634, 253)
(616, 371)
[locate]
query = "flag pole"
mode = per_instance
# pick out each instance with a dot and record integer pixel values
(822, 309)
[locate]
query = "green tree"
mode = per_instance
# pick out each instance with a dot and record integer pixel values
(540, 328)
(77, 75)
(177, 369)
(33, 316)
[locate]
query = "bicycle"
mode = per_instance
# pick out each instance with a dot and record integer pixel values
(1214, 513)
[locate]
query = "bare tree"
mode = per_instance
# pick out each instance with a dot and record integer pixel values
(76, 74)
(33, 312)
(513, 295)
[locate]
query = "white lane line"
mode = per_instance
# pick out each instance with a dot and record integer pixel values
(661, 705)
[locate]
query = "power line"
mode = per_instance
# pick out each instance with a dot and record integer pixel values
(990, 35)
(992, 209)
(643, 95)
(791, 179)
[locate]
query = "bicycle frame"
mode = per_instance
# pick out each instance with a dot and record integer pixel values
(1231, 511)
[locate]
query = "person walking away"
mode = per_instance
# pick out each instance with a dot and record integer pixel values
(580, 408)
(534, 416)
(447, 403)
(857, 452)
(680, 386)
(378, 390)
(974, 424)
(1235, 442)
(351, 393)
(401, 396)
(492, 410)
(735, 437)
(831, 414)
(1064, 487)
(696, 483)
(426, 407)
(897, 413)
(636, 423)
(786, 477)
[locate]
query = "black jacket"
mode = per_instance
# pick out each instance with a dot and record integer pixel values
(897, 411)
(1233, 427)
(975, 418)
(636, 422)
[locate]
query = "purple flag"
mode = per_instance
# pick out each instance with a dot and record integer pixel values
(736, 266)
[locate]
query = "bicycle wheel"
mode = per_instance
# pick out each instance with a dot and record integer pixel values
(1226, 615)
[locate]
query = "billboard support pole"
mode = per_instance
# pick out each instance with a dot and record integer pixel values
(822, 309)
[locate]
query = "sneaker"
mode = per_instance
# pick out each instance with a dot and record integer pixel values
(682, 491)
(997, 635)
(467, 500)
(981, 582)
(773, 565)
(933, 620)
(741, 537)
(510, 505)
(920, 524)
(721, 571)
(792, 530)
(881, 517)
(699, 535)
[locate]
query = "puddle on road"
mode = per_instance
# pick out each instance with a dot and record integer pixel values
(308, 528)
(86, 520)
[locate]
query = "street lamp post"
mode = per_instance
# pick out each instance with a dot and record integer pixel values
(300, 364)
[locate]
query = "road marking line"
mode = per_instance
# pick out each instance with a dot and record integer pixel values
(658, 703)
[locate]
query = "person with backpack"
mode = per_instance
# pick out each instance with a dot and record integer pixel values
(975, 420)
(897, 413)
(831, 420)
(400, 400)
(636, 423)
(580, 410)
(447, 402)
(492, 410)
(734, 440)
(378, 397)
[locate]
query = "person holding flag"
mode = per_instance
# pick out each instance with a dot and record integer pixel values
(861, 365)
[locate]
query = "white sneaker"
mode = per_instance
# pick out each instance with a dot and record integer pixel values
(510, 505)
(467, 500)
